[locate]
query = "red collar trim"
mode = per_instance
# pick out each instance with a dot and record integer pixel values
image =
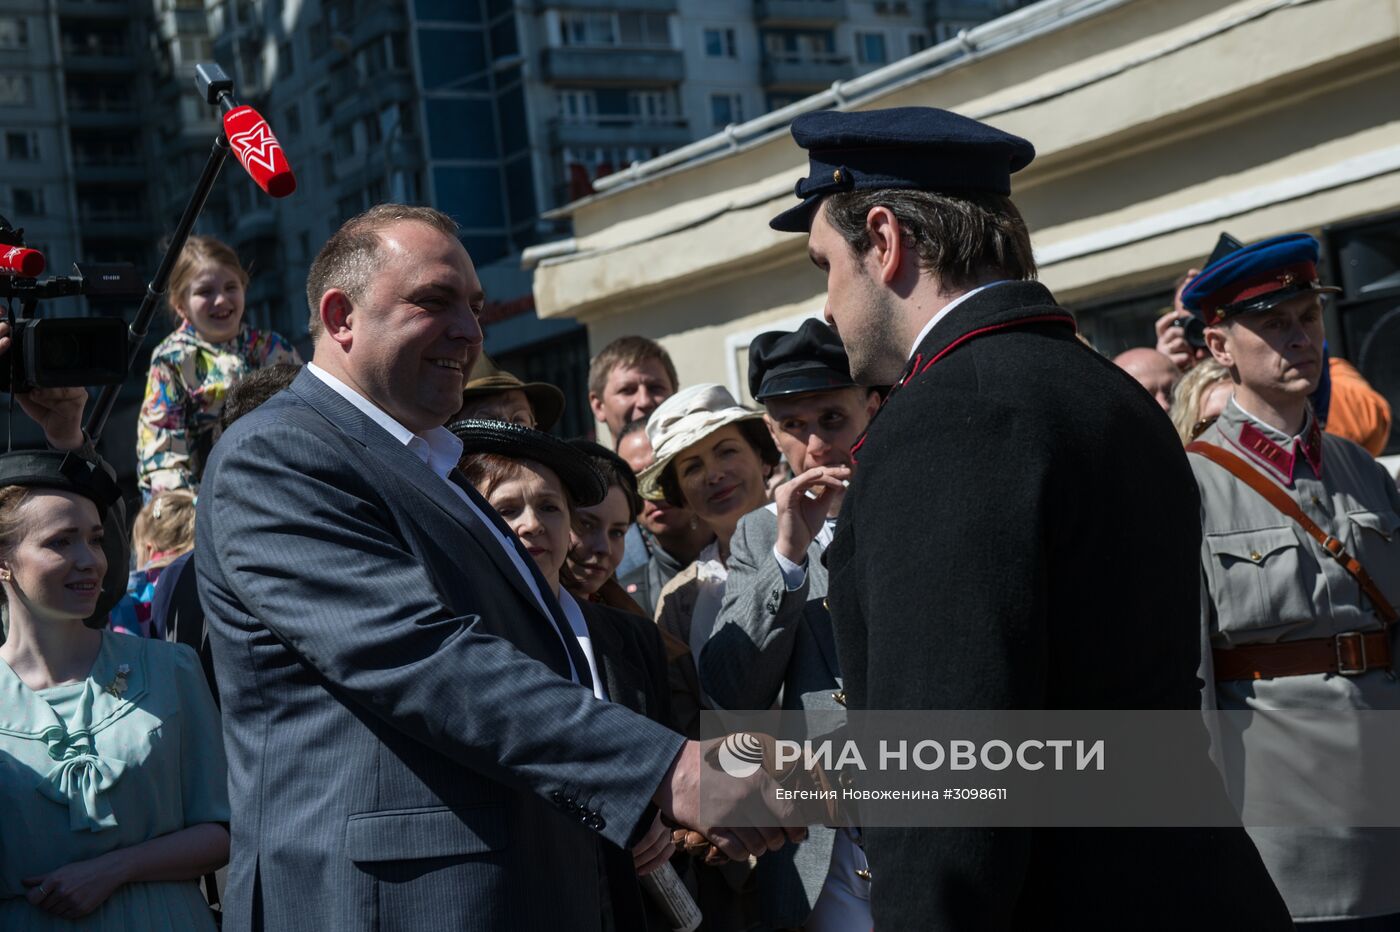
(1255, 444)
(918, 367)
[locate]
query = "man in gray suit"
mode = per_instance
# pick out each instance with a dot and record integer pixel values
(414, 734)
(773, 636)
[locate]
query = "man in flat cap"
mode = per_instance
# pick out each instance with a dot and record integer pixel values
(984, 558)
(1296, 623)
(503, 397)
(773, 635)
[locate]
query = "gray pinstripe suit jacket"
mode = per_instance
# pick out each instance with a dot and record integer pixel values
(406, 750)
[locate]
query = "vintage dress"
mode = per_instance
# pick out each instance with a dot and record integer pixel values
(185, 389)
(84, 772)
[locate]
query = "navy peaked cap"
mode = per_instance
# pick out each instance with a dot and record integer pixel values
(811, 359)
(919, 148)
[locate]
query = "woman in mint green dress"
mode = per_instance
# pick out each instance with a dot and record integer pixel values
(112, 781)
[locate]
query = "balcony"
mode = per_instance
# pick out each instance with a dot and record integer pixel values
(653, 6)
(117, 224)
(799, 12)
(95, 9)
(378, 22)
(100, 114)
(98, 57)
(805, 74)
(109, 171)
(620, 131)
(610, 65)
(251, 224)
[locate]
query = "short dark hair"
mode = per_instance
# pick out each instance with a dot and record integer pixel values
(485, 471)
(255, 388)
(615, 470)
(628, 351)
(960, 238)
(753, 430)
(348, 259)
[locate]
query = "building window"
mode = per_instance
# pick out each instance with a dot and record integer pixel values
(291, 119)
(870, 48)
(918, 41)
(578, 106)
(194, 49)
(324, 104)
(652, 106)
(720, 43)
(15, 90)
(14, 33)
(21, 146)
(27, 202)
(726, 109)
(631, 28)
(286, 60)
(588, 29)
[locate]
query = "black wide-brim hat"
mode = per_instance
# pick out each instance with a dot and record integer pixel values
(582, 480)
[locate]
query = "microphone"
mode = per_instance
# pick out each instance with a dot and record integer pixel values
(259, 151)
(26, 263)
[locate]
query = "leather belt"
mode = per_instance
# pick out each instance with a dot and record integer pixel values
(1350, 654)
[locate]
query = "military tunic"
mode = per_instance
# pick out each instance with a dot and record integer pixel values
(1267, 580)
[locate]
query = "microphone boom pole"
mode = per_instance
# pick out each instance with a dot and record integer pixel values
(217, 89)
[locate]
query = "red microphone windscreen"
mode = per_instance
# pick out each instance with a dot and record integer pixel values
(259, 151)
(26, 263)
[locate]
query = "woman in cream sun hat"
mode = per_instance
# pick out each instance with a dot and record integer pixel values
(712, 457)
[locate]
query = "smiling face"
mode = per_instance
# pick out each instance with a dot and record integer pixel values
(56, 564)
(721, 478)
(819, 428)
(533, 504)
(1275, 355)
(213, 303)
(631, 392)
(410, 343)
(861, 312)
(599, 540)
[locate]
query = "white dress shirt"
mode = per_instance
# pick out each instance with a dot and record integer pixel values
(440, 450)
(948, 309)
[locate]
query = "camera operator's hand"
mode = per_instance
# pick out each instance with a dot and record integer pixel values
(803, 506)
(1171, 339)
(59, 411)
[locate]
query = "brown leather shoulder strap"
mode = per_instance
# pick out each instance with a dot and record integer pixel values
(1280, 499)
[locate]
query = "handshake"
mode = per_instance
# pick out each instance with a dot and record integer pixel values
(722, 798)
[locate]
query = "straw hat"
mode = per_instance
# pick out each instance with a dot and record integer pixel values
(684, 419)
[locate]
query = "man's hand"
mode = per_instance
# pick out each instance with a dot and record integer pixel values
(803, 505)
(679, 797)
(654, 849)
(59, 411)
(1171, 340)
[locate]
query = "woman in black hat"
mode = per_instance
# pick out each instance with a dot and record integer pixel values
(535, 482)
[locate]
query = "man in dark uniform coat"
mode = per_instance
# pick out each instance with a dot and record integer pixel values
(1022, 532)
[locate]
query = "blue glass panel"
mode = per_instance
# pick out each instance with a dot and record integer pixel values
(471, 196)
(461, 129)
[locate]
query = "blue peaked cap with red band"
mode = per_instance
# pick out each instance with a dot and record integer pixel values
(1255, 278)
(918, 148)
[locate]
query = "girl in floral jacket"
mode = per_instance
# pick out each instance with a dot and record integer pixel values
(193, 368)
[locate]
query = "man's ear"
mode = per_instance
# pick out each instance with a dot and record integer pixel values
(774, 430)
(887, 248)
(596, 403)
(1218, 343)
(337, 313)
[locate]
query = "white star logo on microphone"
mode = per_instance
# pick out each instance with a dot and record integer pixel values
(256, 145)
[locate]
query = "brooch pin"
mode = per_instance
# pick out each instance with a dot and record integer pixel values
(118, 685)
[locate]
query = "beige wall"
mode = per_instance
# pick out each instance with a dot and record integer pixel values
(1157, 124)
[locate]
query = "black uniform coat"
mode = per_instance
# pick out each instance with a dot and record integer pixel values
(1023, 532)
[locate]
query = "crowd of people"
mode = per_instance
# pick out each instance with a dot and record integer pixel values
(401, 658)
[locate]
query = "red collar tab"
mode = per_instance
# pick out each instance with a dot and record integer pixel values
(1215, 307)
(1279, 460)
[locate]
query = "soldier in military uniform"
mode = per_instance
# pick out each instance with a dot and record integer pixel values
(990, 550)
(1291, 622)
